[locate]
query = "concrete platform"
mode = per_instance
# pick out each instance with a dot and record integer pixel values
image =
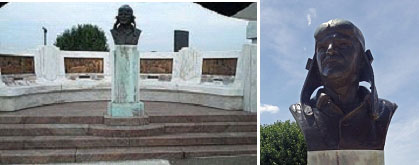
(76, 132)
(160, 110)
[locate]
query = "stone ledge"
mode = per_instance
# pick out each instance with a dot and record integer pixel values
(336, 157)
(122, 153)
(16, 98)
(26, 119)
(126, 131)
(181, 139)
(69, 85)
(123, 131)
(126, 121)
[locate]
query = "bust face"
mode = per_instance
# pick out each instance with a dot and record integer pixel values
(125, 15)
(337, 55)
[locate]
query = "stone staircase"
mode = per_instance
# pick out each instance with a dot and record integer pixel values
(77, 133)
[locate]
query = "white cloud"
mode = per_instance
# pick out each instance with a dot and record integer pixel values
(311, 14)
(401, 143)
(282, 35)
(269, 108)
(308, 19)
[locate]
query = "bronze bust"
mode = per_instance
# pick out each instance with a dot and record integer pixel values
(342, 114)
(124, 31)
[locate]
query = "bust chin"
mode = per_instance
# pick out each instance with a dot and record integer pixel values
(122, 37)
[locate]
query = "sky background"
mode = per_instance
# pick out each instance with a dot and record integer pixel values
(21, 24)
(391, 31)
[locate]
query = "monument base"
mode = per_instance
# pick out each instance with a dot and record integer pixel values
(126, 121)
(126, 109)
(343, 157)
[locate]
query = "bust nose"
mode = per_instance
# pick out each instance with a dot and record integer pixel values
(331, 50)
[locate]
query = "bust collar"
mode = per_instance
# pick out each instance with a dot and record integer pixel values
(326, 105)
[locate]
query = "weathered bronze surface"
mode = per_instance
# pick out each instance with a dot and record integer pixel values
(83, 65)
(342, 114)
(16, 65)
(156, 66)
(221, 66)
(124, 30)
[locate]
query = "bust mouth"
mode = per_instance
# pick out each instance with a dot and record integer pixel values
(124, 20)
(332, 60)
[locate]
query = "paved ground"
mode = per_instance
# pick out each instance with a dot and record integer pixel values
(128, 162)
(219, 160)
(99, 108)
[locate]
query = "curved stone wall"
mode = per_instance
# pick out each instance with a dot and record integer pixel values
(17, 98)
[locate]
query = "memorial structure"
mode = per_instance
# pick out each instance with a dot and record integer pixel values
(94, 111)
(125, 101)
(344, 123)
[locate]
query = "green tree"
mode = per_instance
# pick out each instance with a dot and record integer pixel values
(282, 143)
(85, 37)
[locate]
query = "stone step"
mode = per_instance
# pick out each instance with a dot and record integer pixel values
(122, 153)
(185, 139)
(122, 131)
(19, 119)
(203, 118)
(126, 131)
(211, 127)
(44, 129)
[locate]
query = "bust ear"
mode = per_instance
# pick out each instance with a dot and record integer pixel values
(369, 56)
(312, 81)
(309, 63)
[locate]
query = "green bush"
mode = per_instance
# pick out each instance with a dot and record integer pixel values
(82, 38)
(282, 143)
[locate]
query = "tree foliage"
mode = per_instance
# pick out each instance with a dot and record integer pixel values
(282, 143)
(84, 37)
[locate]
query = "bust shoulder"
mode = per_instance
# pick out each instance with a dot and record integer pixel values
(386, 110)
(137, 32)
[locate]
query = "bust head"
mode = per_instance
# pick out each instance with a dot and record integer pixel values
(339, 49)
(124, 30)
(125, 17)
(342, 115)
(339, 58)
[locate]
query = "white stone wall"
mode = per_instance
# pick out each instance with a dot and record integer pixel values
(251, 31)
(187, 66)
(184, 87)
(48, 65)
(1, 81)
(221, 54)
(249, 77)
(85, 54)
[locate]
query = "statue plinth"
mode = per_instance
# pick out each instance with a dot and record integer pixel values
(125, 87)
(335, 157)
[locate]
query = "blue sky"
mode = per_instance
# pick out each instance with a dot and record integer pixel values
(21, 23)
(391, 32)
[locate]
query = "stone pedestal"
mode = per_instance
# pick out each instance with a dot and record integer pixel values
(125, 101)
(187, 66)
(2, 84)
(47, 68)
(346, 157)
(246, 76)
(251, 31)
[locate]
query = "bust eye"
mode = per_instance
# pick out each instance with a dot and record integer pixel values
(321, 49)
(343, 44)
